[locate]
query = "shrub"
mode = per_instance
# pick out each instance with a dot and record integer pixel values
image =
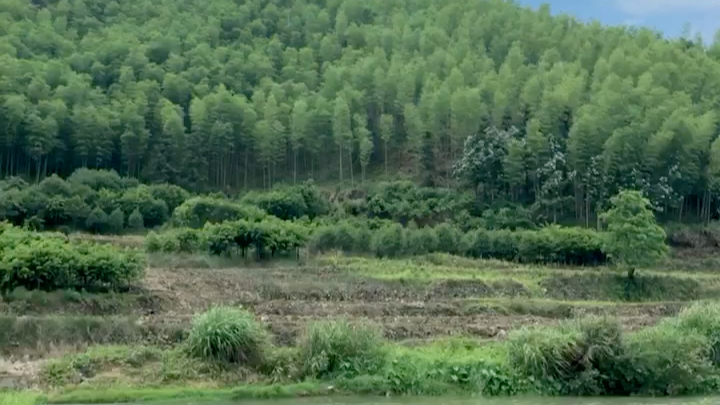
(389, 241)
(283, 203)
(50, 263)
(704, 319)
(340, 349)
(154, 211)
(97, 221)
(197, 211)
(544, 353)
(448, 238)
(666, 360)
(97, 179)
(422, 241)
(116, 221)
(171, 194)
(227, 335)
(136, 221)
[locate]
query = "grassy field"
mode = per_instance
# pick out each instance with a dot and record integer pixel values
(436, 305)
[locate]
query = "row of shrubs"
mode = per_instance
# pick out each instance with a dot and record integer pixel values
(587, 357)
(554, 244)
(80, 201)
(89, 200)
(267, 238)
(51, 262)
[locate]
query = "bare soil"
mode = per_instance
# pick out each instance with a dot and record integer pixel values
(291, 297)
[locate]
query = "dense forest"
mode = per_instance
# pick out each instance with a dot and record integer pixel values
(514, 104)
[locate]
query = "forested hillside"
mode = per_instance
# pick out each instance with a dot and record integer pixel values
(513, 103)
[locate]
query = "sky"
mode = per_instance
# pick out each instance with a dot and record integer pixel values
(668, 16)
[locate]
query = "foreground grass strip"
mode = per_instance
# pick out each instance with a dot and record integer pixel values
(128, 394)
(19, 398)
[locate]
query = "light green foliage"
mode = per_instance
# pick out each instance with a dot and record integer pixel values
(36, 261)
(341, 349)
(633, 236)
(285, 92)
(230, 335)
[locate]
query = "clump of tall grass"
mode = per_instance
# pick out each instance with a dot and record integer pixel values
(667, 360)
(545, 353)
(227, 335)
(704, 319)
(341, 349)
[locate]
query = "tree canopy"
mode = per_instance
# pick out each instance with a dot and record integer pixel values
(247, 93)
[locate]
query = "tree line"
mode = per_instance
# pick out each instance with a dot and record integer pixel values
(513, 104)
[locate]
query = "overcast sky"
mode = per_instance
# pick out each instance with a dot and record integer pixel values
(668, 16)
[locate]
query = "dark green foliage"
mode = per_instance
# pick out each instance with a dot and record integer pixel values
(389, 241)
(116, 221)
(171, 194)
(136, 221)
(269, 237)
(97, 221)
(228, 335)
(97, 179)
(153, 210)
(198, 211)
(341, 349)
(283, 203)
(594, 357)
(422, 241)
(554, 244)
(35, 261)
(291, 202)
(403, 201)
(448, 238)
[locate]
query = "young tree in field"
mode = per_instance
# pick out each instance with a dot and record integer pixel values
(633, 236)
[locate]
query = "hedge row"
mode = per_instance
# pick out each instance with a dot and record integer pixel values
(50, 262)
(270, 236)
(575, 246)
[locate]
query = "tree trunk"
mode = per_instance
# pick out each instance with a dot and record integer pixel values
(340, 165)
(386, 159)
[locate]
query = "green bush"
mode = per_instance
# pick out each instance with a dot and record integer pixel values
(283, 203)
(97, 179)
(136, 221)
(97, 221)
(704, 319)
(340, 349)
(556, 244)
(389, 241)
(422, 241)
(197, 211)
(50, 263)
(227, 335)
(153, 210)
(448, 238)
(666, 360)
(171, 194)
(116, 221)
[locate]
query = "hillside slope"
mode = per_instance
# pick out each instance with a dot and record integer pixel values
(239, 94)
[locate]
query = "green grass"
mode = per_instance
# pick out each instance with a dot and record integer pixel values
(125, 394)
(226, 334)
(20, 398)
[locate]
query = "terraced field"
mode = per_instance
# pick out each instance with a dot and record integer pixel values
(414, 300)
